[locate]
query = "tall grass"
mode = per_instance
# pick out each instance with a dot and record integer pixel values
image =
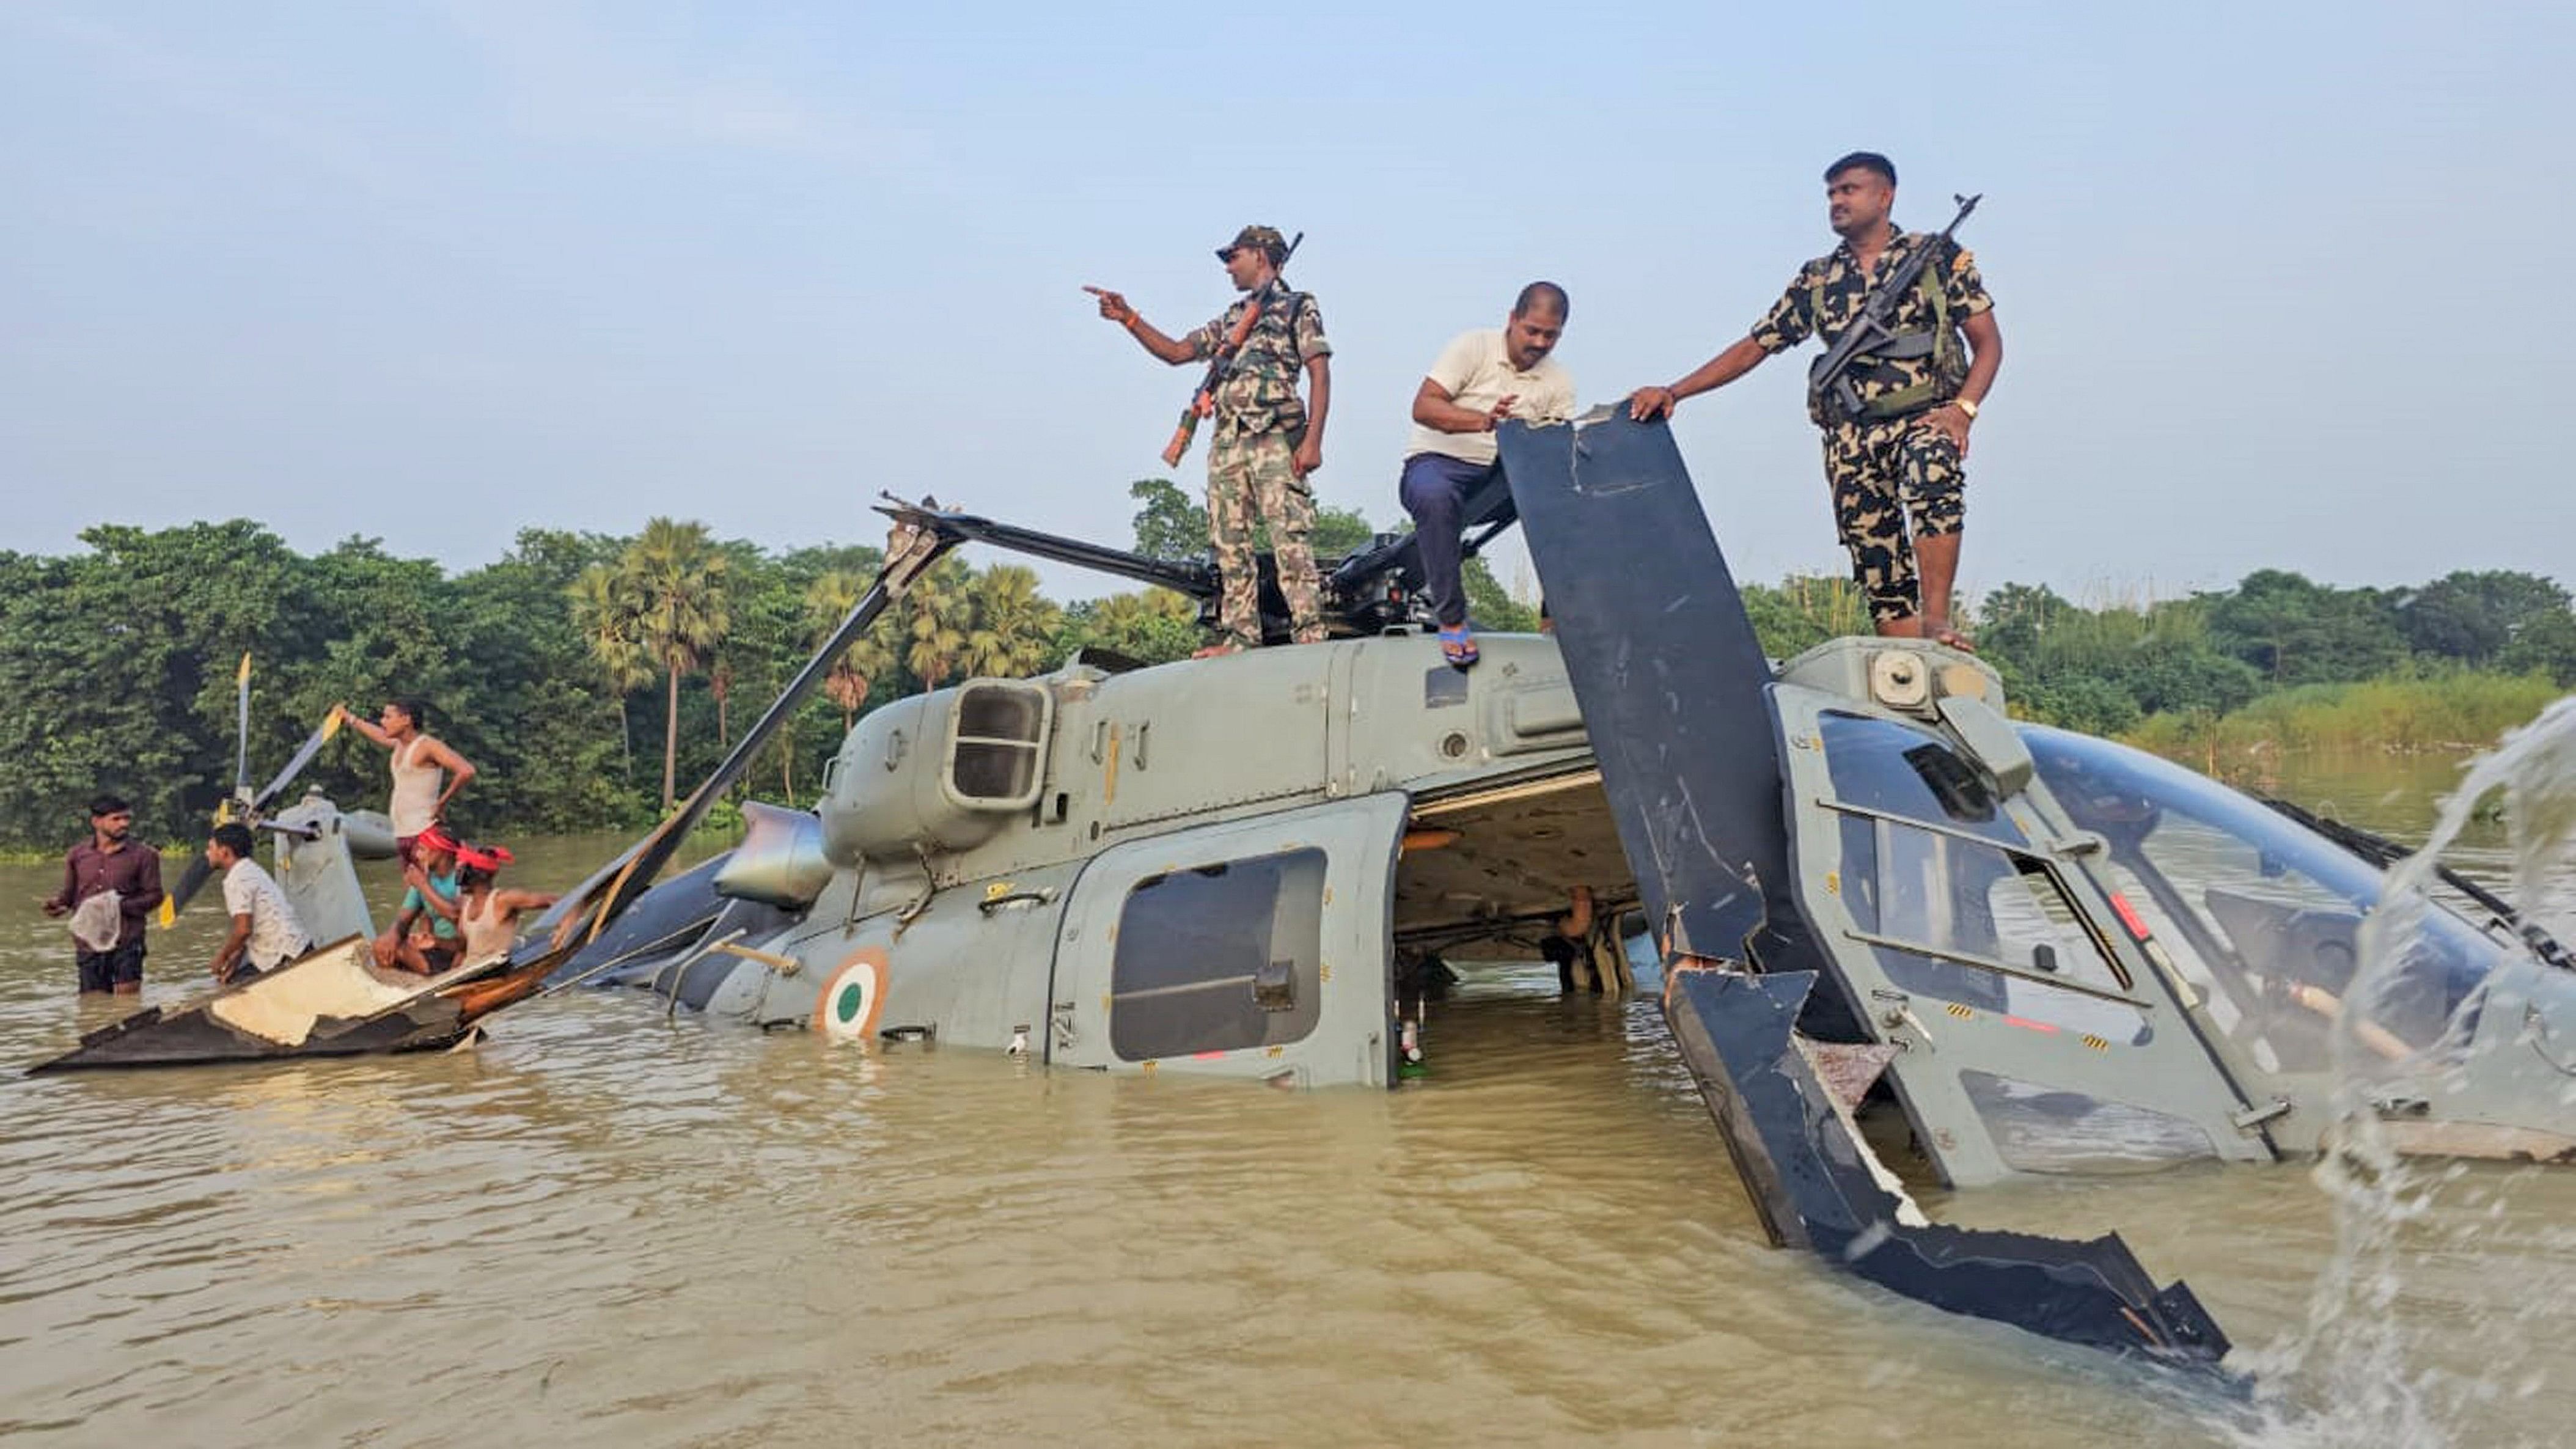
(2453, 710)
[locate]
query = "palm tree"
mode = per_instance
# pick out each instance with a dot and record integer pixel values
(677, 578)
(1013, 629)
(828, 600)
(605, 616)
(937, 611)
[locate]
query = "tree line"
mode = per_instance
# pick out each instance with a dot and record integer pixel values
(592, 676)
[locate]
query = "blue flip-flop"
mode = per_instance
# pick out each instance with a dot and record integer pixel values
(1458, 646)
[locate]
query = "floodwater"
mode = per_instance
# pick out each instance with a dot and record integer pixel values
(603, 1226)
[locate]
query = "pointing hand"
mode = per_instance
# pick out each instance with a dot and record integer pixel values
(1112, 306)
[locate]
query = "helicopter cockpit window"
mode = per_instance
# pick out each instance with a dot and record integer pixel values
(1897, 769)
(2264, 916)
(1961, 920)
(1219, 957)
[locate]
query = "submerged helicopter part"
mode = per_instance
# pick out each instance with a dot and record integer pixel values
(1681, 706)
(317, 844)
(331, 1002)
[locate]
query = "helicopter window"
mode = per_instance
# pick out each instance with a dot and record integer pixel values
(2262, 912)
(1219, 957)
(996, 744)
(1979, 925)
(1882, 765)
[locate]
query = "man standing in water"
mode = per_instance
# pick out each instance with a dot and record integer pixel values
(419, 762)
(1899, 460)
(1480, 379)
(1268, 444)
(108, 937)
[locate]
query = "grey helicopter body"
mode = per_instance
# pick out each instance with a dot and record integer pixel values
(1874, 897)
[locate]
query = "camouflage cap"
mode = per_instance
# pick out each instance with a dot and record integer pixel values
(1265, 237)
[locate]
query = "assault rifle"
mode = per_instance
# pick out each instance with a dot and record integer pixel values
(1203, 402)
(1828, 380)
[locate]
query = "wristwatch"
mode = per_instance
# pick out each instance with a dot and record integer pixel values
(1967, 406)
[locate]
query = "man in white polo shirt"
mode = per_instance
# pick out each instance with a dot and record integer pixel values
(265, 933)
(1482, 378)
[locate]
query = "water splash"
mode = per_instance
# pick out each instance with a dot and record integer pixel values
(2357, 1370)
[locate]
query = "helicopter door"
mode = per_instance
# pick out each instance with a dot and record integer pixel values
(2031, 1041)
(1252, 948)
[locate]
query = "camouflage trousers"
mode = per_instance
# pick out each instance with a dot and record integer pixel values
(1249, 479)
(1885, 476)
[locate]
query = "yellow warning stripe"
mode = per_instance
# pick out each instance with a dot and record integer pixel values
(1964, 1013)
(2098, 1044)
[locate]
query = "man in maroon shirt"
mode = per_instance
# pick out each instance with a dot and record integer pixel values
(108, 861)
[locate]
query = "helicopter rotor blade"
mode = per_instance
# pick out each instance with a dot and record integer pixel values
(231, 807)
(303, 756)
(190, 882)
(241, 729)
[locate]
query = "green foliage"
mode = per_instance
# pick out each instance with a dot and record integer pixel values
(1490, 606)
(1339, 533)
(933, 621)
(2545, 646)
(2283, 663)
(1803, 611)
(1150, 626)
(1012, 627)
(2078, 701)
(2475, 617)
(1169, 524)
(2299, 632)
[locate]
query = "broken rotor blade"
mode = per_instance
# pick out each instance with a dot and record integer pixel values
(303, 756)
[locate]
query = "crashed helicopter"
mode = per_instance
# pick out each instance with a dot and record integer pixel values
(1903, 938)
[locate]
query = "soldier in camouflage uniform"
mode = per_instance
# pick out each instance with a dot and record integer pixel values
(1268, 442)
(1899, 461)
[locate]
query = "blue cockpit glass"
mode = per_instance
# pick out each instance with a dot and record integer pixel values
(2259, 912)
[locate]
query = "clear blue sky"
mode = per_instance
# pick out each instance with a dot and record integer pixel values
(2280, 284)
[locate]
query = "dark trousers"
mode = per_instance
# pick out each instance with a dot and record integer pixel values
(107, 970)
(1432, 488)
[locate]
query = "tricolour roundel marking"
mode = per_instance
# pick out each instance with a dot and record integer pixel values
(853, 997)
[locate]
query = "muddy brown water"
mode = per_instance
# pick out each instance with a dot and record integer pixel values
(608, 1226)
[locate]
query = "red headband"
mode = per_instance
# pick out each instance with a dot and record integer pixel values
(435, 837)
(484, 857)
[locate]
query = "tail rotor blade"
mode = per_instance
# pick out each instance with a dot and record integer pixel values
(303, 756)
